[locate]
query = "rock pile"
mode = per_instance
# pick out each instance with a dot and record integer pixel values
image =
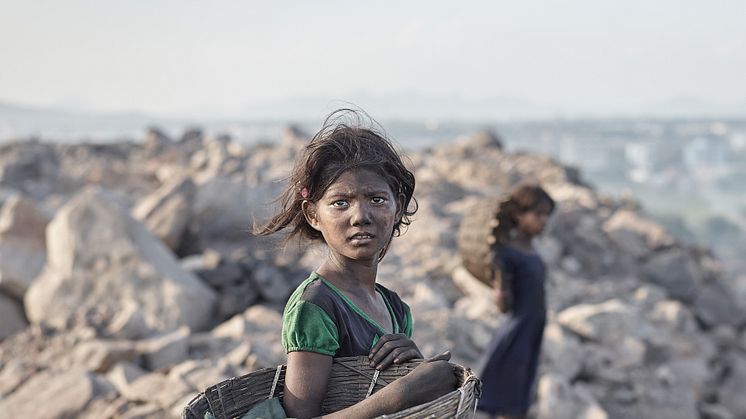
(129, 281)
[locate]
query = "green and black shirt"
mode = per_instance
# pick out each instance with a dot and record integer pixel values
(319, 318)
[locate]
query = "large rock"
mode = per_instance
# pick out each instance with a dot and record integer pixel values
(469, 284)
(158, 389)
(100, 261)
(22, 244)
(610, 322)
(56, 394)
(11, 317)
(262, 327)
(98, 355)
(579, 230)
(562, 352)
(663, 395)
(731, 391)
(714, 305)
(165, 350)
(619, 327)
(558, 399)
(676, 272)
(229, 278)
(226, 208)
(272, 283)
(634, 234)
(14, 374)
(200, 374)
(21, 164)
(695, 372)
(471, 323)
(167, 211)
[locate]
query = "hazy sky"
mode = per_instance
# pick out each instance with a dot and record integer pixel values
(186, 56)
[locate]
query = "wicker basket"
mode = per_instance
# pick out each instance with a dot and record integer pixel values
(477, 242)
(351, 381)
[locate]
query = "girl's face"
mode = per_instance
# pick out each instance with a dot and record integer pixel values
(356, 215)
(532, 222)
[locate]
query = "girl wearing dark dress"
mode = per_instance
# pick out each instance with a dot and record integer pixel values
(509, 365)
(350, 190)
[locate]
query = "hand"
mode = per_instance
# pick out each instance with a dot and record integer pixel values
(393, 349)
(431, 379)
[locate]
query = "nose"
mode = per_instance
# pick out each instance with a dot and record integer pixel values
(360, 215)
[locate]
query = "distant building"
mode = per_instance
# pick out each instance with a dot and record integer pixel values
(706, 151)
(640, 161)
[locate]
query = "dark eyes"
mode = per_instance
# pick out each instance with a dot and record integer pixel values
(341, 203)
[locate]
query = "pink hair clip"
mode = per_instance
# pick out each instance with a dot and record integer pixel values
(304, 192)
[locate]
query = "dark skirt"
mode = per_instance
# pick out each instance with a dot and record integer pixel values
(509, 365)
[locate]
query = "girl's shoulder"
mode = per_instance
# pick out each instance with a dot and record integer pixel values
(314, 290)
(511, 256)
(511, 249)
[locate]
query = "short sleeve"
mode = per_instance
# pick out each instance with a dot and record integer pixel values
(408, 326)
(307, 327)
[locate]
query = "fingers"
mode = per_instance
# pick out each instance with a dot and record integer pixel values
(384, 340)
(398, 356)
(394, 348)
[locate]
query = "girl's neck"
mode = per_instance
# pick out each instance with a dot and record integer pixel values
(350, 276)
(522, 240)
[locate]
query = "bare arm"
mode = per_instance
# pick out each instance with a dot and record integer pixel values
(306, 381)
(502, 289)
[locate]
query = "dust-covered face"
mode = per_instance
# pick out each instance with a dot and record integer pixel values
(356, 215)
(533, 221)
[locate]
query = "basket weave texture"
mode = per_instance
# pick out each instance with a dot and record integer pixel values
(477, 242)
(349, 382)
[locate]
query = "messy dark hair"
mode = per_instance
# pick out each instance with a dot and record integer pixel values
(345, 142)
(522, 198)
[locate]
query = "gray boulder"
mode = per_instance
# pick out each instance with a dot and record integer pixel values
(22, 244)
(165, 350)
(610, 322)
(714, 305)
(562, 352)
(262, 327)
(24, 164)
(558, 399)
(225, 208)
(100, 261)
(98, 355)
(167, 211)
(634, 234)
(11, 317)
(675, 271)
(732, 390)
(56, 394)
(663, 395)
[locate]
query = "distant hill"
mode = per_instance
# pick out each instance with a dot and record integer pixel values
(18, 121)
(406, 106)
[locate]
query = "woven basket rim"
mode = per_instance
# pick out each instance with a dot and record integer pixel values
(219, 399)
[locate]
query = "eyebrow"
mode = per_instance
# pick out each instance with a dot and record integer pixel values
(374, 192)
